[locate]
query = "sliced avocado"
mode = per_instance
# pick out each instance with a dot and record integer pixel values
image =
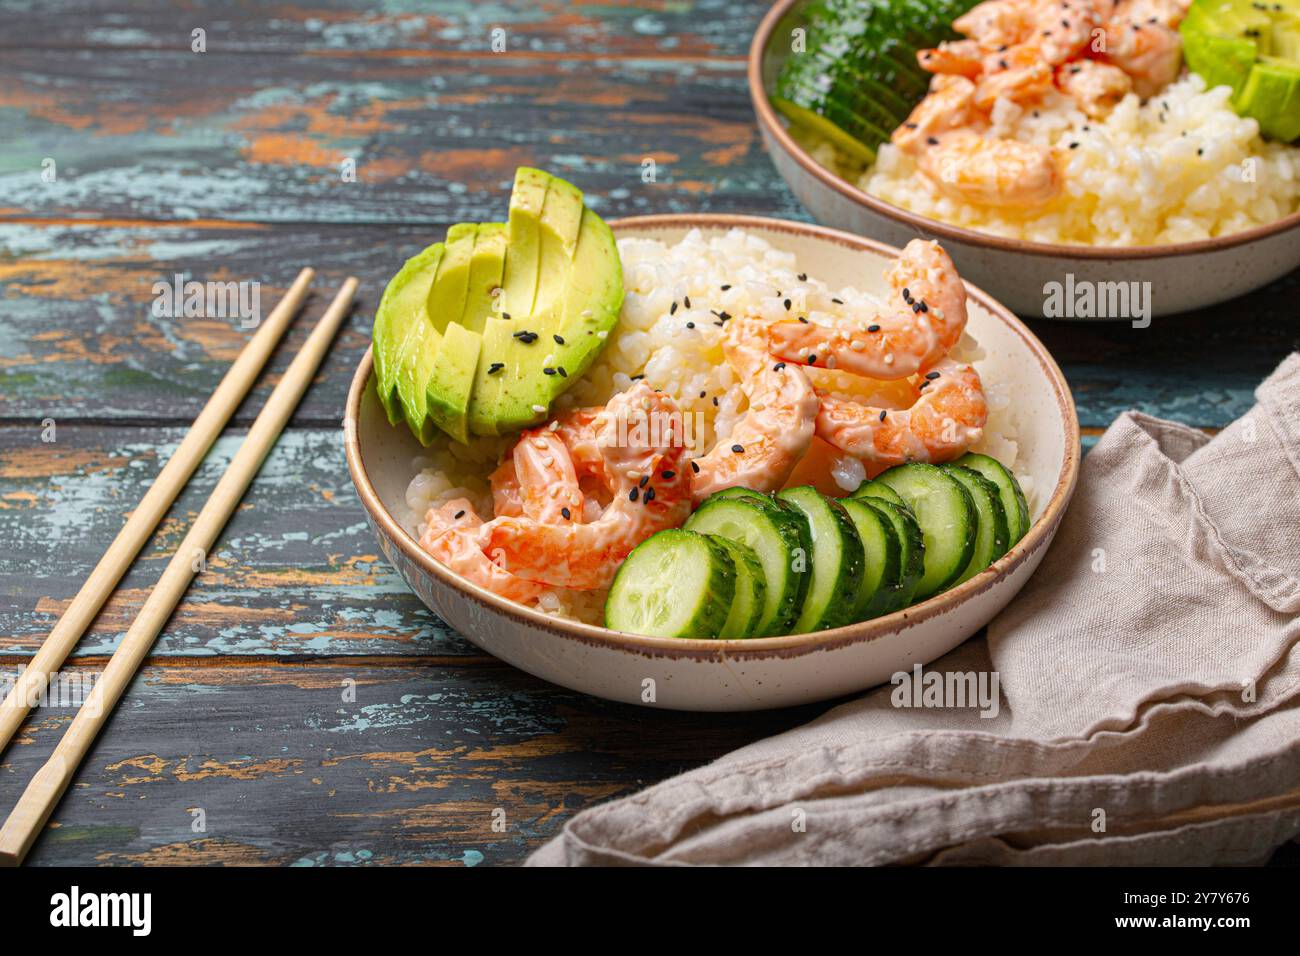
(401, 310)
(535, 361)
(593, 298)
(444, 304)
(486, 269)
(505, 316)
(452, 381)
(1253, 47)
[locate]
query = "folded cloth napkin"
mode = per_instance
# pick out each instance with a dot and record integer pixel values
(1150, 708)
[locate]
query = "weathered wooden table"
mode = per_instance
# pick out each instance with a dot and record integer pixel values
(227, 165)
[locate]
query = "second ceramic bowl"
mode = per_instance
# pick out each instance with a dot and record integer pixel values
(1184, 276)
(763, 672)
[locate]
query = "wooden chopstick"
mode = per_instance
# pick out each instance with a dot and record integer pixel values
(171, 479)
(49, 783)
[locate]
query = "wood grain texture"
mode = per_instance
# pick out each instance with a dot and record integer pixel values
(227, 165)
(287, 772)
(80, 340)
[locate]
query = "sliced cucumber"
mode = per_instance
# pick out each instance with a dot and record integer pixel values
(674, 584)
(1013, 499)
(779, 537)
(738, 492)
(751, 588)
(944, 510)
(991, 535)
(882, 567)
(836, 561)
(911, 545)
(874, 489)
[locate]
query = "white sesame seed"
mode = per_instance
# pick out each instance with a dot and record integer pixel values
(857, 346)
(539, 409)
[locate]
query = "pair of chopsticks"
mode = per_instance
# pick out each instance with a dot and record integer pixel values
(49, 783)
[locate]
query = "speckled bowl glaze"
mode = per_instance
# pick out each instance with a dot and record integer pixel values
(709, 675)
(1183, 276)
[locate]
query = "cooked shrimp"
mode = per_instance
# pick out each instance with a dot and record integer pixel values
(452, 538)
(944, 422)
(1142, 40)
(923, 319)
(651, 492)
(1020, 74)
(991, 171)
(995, 23)
(1094, 86)
(948, 106)
(548, 484)
(954, 57)
(766, 444)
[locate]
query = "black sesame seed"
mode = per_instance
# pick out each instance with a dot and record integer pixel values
(673, 308)
(924, 307)
(787, 305)
(907, 294)
(803, 277)
(932, 375)
(687, 300)
(715, 401)
(695, 468)
(778, 366)
(566, 513)
(873, 328)
(649, 495)
(563, 373)
(632, 495)
(702, 394)
(690, 325)
(838, 301)
(882, 414)
(724, 288)
(1004, 64)
(559, 339)
(910, 125)
(637, 378)
(803, 319)
(548, 371)
(1074, 146)
(738, 449)
(812, 358)
(496, 367)
(669, 475)
(505, 315)
(459, 515)
(645, 479)
(1200, 152)
(932, 141)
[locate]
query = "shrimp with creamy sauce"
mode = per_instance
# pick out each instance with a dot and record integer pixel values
(1021, 52)
(924, 318)
(641, 440)
(944, 422)
(775, 432)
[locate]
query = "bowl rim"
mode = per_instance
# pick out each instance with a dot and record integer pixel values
(772, 126)
(1038, 536)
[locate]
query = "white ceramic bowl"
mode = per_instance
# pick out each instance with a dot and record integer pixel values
(1183, 276)
(763, 672)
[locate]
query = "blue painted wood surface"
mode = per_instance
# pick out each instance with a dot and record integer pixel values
(226, 165)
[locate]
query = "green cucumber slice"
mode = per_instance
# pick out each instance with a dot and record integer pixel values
(1013, 499)
(911, 546)
(882, 567)
(991, 535)
(779, 537)
(944, 510)
(751, 589)
(674, 584)
(874, 489)
(835, 562)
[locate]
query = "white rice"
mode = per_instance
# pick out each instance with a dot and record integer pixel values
(679, 351)
(1181, 167)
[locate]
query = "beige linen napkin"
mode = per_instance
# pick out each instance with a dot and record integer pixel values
(1150, 709)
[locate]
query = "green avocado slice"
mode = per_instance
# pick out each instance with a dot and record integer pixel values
(401, 311)
(1254, 48)
(450, 384)
(443, 306)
